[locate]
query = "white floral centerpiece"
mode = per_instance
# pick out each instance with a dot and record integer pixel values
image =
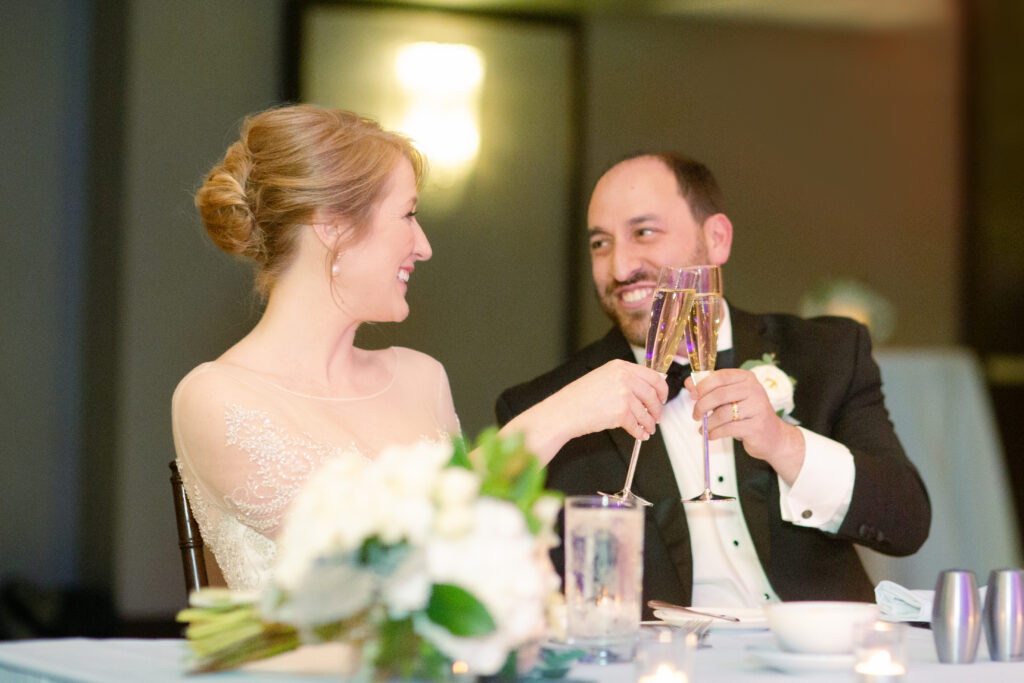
(428, 555)
(779, 386)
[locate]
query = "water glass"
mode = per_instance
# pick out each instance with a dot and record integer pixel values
(1004, 615)
(604, 541)
(956, 617)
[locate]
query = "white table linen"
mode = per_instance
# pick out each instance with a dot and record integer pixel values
(728, 660)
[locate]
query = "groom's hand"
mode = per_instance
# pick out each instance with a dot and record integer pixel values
(739, 408)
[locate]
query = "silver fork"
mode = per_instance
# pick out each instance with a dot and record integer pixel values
(698, 627)
(701, 628)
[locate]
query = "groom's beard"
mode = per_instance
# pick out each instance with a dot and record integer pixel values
(632, 324)
(635, 324)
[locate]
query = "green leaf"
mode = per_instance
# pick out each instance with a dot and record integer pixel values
(460, 453)
(458, 611)
(553, 664)
(381, 557)
(766, 359)
(400, 647)
(434, 666)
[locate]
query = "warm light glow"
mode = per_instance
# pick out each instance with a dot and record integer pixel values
(665, 674)
(459, 667)
(442, 90)
(880, 663)
(439, 68)
(447, 138)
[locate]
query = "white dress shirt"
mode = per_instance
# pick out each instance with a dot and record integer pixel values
(726, 570)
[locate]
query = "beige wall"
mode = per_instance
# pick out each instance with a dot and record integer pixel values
(837, 150)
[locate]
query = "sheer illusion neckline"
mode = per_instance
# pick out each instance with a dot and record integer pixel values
(268, 382)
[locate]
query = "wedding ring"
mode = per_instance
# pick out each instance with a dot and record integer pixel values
(735, 411)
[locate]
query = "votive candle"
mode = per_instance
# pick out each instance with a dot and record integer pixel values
(665, 673)
(880, 654)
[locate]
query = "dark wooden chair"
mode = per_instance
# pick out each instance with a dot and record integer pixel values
(189, 539)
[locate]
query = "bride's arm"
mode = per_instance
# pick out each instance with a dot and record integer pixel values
(447, 418)
(617, 394)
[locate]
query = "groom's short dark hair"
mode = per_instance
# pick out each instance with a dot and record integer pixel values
(697, 184)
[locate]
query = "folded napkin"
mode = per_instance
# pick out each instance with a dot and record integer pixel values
(896, 603)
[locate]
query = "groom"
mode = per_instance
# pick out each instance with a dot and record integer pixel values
(806, 494)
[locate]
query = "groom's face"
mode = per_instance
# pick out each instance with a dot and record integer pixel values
(638, 221)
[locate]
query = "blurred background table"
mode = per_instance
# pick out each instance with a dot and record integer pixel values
(940, 406)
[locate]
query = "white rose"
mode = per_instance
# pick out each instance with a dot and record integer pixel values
(496, 561)
(547, 508)
(777, 385)
(326, 593)
(457, 487)
(411, 470)
(408, 588)
(454, 521)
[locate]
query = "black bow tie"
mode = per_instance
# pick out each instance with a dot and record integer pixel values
(678, 372)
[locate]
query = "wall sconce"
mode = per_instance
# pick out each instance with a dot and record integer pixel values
(441, 83)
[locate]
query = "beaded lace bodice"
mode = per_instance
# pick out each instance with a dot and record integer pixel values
(246, 446)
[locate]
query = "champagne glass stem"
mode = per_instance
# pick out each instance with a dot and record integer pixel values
(632, 467)
(707, 459)
(627, 491)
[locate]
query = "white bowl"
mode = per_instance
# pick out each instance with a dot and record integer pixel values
(818, 627)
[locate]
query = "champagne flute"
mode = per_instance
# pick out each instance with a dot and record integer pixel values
(670, 310)
(702, 347)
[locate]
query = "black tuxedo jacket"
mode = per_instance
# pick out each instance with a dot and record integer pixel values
(838, 394)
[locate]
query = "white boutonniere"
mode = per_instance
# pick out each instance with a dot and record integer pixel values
(777, 384)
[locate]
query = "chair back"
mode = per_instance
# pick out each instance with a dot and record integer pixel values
(190, 541)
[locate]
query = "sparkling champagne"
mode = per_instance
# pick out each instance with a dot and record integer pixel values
(702, 331)
(669, 313)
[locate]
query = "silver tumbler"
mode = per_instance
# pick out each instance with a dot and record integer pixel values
(1004, 615)
(956, 617)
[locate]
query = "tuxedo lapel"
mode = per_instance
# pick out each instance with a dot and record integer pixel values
(755, 478)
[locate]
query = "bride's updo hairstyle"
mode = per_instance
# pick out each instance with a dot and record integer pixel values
(288, 163)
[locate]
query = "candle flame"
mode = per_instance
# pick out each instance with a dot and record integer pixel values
(880, 663)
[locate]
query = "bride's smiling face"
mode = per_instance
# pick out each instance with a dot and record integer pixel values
(374, 273)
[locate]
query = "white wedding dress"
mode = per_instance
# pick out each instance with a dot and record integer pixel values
(245, 446)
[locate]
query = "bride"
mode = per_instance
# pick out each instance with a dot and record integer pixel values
(324, 203)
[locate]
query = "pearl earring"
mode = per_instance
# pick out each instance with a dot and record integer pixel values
(335, 267)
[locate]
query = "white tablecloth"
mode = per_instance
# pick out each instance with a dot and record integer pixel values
(728, 660)
(940, 406)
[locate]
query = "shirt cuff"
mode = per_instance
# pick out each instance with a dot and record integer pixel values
(821, 494)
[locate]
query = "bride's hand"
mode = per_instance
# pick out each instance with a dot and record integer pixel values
(617, 394)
